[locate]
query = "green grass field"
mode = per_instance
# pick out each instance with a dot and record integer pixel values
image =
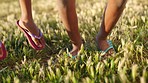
(51, 65)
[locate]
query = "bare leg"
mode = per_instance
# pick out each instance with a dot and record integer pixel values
(69, 17)
(27, 22)
(111, 15)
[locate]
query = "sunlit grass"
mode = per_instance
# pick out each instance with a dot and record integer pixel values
(24, 64)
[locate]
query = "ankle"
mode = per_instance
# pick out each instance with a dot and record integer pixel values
(27, 20)
(99, 38)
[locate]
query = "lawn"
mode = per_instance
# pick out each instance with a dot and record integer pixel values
(51, 65)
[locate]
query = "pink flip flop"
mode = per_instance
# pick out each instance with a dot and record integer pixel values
(3, 50)
(29, 35)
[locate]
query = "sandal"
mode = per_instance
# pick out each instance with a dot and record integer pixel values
(29, 36)
(3, 50)
(105, 53)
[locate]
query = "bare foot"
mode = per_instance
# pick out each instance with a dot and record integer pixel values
(76, 49)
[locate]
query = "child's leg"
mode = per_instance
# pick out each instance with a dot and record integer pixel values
(111, 15)
(27, 22)
(68, 15)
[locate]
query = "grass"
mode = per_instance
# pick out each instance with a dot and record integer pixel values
(25, 65)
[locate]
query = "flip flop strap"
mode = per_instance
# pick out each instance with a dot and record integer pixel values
(32, 35)
(72, 56)
(0, 44)
(110, 47)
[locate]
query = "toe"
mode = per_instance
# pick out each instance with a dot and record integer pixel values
(37, 42)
